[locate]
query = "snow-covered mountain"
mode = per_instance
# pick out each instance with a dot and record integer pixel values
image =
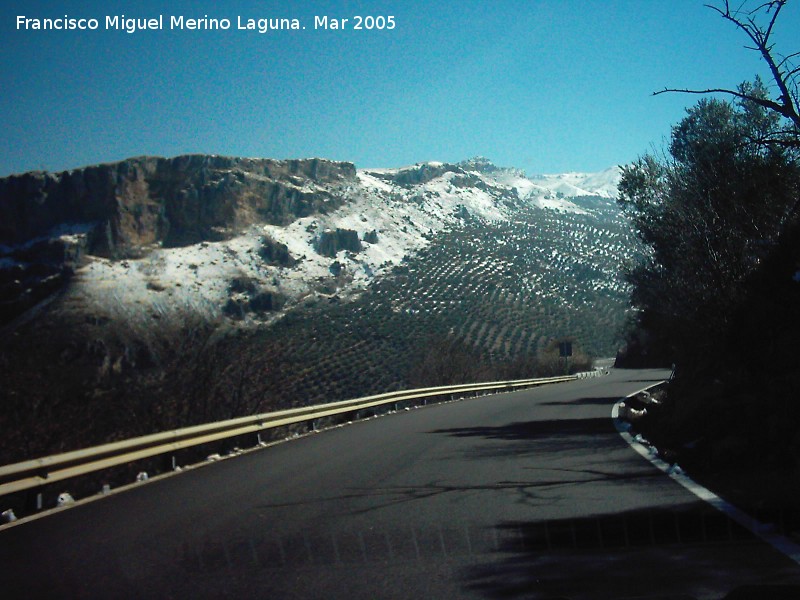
(388, 214)
(603, 183)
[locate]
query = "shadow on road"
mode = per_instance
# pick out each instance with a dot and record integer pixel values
(535, 430)
(688, 552)
(608, 401)
(536, 438)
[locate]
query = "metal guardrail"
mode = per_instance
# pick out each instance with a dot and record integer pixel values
(38, 472)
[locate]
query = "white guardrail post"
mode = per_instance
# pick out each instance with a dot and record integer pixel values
(38, 472)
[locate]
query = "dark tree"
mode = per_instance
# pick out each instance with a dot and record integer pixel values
(718, 289)
(712, 209)
(707, 214)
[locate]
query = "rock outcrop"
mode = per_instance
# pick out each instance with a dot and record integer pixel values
(276, 253)
(330, 242)
(174, 201)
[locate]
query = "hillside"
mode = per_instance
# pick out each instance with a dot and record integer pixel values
(493, 294)
(156, 292)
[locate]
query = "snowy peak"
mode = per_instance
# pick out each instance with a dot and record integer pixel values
(479, 163)
(603, 183)
(483, 165)
(551, 191)
(569, 185)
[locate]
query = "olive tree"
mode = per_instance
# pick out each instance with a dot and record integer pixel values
(706, 213)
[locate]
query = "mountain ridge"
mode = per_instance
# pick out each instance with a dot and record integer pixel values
(217, 217)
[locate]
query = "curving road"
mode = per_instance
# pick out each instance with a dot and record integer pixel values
(531, 494)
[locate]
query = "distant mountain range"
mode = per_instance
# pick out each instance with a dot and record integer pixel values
(171, 234)
(343, 276)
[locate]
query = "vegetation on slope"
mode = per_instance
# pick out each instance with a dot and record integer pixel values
(718, 292)
(485, 300)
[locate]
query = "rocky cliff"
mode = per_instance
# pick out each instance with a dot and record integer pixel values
(49, 221)
(175, 201)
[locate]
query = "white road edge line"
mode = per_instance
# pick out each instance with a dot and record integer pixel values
(762, 530)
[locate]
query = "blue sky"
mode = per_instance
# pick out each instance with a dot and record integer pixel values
(547, 86)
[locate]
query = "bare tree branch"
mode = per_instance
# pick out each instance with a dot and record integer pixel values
(766, 103)
(786, 58)
(786, 104)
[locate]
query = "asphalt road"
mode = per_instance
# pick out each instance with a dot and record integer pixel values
(531, 494)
